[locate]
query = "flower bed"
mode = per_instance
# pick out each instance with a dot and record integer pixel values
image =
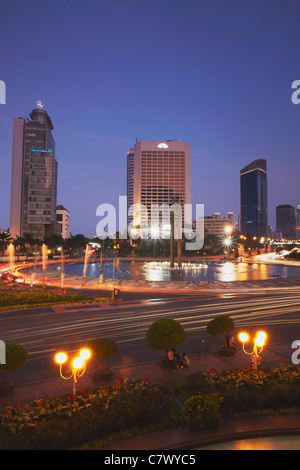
(59, 423)
(26, 299)
(241, 390)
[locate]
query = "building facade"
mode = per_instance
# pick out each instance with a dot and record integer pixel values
(286, 221)
(63, 218)
(254, 198)
(215, 226)
(298, 221)
(158, 173)
(33, 177)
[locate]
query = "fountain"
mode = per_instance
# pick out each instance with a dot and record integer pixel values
(162, 265)
(62, 272)
(85, 264)
(44, 259)
(101, 268)
(11, 250)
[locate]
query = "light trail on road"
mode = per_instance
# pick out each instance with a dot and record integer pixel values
(127, 327)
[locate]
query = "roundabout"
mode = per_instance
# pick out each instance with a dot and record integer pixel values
(152, 276)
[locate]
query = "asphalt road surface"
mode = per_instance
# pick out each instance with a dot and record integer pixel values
(46, 331)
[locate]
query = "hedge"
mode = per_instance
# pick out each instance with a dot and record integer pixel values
(61, 423)
(240, 390)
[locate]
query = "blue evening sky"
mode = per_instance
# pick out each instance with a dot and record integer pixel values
(214, 73)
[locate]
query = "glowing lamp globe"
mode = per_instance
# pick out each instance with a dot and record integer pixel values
(60, 358)
(262, 335)
(243, 337)
(259, 341)
(78, 363)
(85, 354)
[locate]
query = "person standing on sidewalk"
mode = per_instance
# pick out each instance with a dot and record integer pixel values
(232, 345)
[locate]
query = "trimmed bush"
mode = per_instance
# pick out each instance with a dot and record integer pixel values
(16, 357)
(219, 326)
(165, 334)
(61, 423)
(103, 348)
(245, 390)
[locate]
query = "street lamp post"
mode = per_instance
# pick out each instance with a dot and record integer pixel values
(258, 345)
(78, 365)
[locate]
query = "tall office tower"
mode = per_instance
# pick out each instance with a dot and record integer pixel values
(286, 221)
(298, 221)
(254, 198)
(33, 177)
(130, 179)
(161, 174)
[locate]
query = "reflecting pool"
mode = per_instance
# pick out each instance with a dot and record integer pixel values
(193, 271)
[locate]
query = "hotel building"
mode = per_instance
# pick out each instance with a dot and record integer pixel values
(158, 172)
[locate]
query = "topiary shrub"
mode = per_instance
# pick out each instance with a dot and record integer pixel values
(219, 326)
(16, 357)
(102, 348)
(165, 334)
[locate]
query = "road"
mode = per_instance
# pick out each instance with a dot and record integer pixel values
(45, 331)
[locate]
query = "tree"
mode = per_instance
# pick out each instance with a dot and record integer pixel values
(219, 326)
(103, 348)
(16, 357)
(19, 242)
(5, 240)
(53, 241)
(165, 333)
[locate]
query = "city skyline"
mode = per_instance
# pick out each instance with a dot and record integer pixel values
(221, 82)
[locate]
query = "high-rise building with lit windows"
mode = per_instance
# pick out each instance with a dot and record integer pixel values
(298, 221)
(158, 172)
(33, 177)
(254, 198)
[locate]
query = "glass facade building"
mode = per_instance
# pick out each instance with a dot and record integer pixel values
(254, 198)
(286, 221)
(34, 177)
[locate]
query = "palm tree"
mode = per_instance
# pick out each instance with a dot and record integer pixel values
(29, 241)
(19, 242)
(5, 240)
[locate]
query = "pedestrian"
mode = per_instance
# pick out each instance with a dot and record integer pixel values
(178, 361)
(185, 360)
(171, 355)
(232, 345)
(227, 340)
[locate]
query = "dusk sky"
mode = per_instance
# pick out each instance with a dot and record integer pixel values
(216, 74)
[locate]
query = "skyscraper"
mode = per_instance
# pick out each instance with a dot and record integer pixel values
(298, 221)
(254, 198)
(158, 173)
(33, 177)
(286, 221)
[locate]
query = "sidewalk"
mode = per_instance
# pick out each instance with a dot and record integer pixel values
(159, 374)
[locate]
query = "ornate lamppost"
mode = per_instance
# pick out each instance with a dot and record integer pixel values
(259, 342)
(78, 365)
